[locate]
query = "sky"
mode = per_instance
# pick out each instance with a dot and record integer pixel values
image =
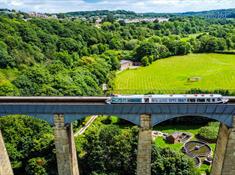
(158, 6)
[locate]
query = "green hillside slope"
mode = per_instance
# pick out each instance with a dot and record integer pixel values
(211, 71)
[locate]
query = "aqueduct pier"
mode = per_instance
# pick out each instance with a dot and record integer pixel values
(61, 111)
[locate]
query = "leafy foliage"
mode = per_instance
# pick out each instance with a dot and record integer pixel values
(210, 132)
(29, 143)
(166, 161)
(107, 149)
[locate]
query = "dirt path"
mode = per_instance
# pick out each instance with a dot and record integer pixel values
(83, 129)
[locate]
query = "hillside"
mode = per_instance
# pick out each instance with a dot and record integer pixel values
(221, 13)
(213, 71)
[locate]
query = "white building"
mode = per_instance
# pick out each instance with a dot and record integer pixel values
(125, 64)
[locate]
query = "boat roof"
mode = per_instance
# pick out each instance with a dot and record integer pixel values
(172, 96)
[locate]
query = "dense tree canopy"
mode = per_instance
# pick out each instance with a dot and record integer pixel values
(169, 162)
(29, 143)
(108, 149)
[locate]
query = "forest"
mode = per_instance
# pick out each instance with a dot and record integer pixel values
(224, 13)
(71, 57)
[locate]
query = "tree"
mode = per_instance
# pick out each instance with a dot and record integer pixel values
(112, 57)
(195, 45)
(145, 61)
(32, 80)
(28, 33)
(69, 45)
(64, 57)
(182, 48)
(222, 44)
(115, 43)
(166, 161)
(5, 58)
(109, 150)
(109, 18)
(35, 166)
(8, 89)
(208, 43)
(94, 49)
(131, 45)
(146, 49)
(26, 139)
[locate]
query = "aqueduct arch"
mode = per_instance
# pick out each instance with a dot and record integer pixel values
(225, 119)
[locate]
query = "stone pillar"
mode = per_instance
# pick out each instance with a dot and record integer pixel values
(224, 158)
(144, 146)
(5, 164)
(220, 149)
(65, 147)
(229, 157)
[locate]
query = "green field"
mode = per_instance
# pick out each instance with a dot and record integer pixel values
(215, 71)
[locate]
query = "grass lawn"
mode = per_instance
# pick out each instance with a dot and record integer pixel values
(216, 71)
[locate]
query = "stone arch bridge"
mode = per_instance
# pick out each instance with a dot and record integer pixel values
(61, 111)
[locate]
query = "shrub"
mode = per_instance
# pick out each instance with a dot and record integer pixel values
(209, 132)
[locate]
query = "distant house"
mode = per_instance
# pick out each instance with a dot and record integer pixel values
(98, 21)
(178, 137)
(173, 138)
(125, 64)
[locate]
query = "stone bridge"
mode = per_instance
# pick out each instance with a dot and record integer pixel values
(61, 111)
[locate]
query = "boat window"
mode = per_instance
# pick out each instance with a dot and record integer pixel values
(192, 100)
(155, 100)
(208, 100)
(213, 100)
(124, 100)
(116, 100)
(201, 100)
(219, 99)
(182, 100)
(135, 100)
(172, 100)
(162, 100)
(146, 100)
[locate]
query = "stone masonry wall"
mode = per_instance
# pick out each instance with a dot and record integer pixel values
(221, 144)
(64, 143)
(144, 146)
(229, 158)
(224, 158)
(73, 151)
(5, 164)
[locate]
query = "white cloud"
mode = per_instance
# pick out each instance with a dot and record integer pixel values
(134, 5)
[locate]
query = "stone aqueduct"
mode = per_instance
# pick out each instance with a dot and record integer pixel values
(61, 111)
